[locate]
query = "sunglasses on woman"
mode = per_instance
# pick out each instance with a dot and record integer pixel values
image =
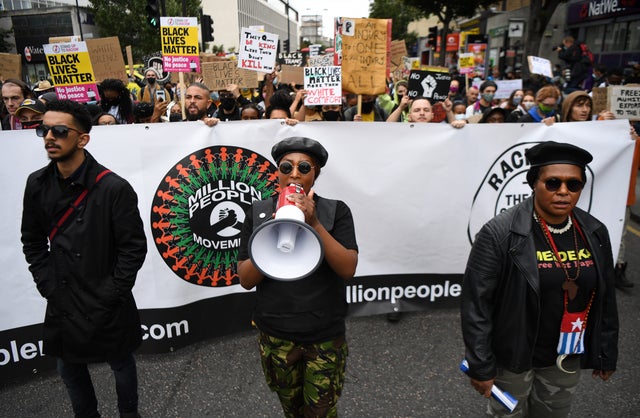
(303, 167)
(573, 185)
(58, 131)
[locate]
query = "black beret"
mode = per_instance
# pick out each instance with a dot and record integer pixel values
(495, 109)
(551, 152)
(300, 144)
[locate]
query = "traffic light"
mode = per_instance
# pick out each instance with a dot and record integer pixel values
(432, 38)
(285, 45)
(153, 13)
(207, 28)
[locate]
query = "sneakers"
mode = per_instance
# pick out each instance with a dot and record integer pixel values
(621, 278)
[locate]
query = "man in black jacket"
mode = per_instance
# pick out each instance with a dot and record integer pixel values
(84, 242)
(571, 54)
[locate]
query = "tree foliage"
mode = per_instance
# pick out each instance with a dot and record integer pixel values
(128, 21)
(401, 14)
(447, 11)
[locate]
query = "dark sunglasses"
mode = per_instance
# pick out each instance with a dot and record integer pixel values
(286, 167)
(58, 131)
(573, 185)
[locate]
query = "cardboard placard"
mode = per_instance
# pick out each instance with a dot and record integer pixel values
(106, 58)
(323, 86)
(430, 84)
(219, 74)
(363, 48)
(540, 66)
(291, 74)
(10, 66)
(398, 50)
(257, 50)
(622, 101)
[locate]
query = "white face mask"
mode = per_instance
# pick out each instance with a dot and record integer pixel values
(528, 105)
(461, 116)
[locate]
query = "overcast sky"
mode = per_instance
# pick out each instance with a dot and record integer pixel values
(330, 9)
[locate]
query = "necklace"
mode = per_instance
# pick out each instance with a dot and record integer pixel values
(559, 231)
(569, 285)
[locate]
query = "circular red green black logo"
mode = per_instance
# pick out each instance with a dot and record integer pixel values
(199, 208)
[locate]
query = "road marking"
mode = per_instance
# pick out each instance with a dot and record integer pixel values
(633, 231)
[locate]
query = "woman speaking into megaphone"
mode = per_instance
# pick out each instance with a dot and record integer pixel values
(300, 316)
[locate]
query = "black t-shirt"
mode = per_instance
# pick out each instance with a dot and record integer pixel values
(308, 310)
(552, 277)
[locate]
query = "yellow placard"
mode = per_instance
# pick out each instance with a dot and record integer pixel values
(71, 71)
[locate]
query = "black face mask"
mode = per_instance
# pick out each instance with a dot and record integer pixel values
(31, 125)
(175, 117)
(367, 107)
(228, 103)
(109, 103)
(151, 80)
(332, 115)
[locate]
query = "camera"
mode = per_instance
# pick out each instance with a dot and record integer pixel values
(556, 48)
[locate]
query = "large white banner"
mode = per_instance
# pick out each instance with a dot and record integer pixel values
(419, 194)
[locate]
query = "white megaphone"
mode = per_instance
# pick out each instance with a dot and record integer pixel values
(286, 248)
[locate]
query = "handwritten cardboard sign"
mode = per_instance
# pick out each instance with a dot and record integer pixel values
(106, 58)
(325, 60)
(323, 85)
(180, 51)
(622, 101)
(218, 75)
(363, 47)
(71, 71)
(430, 84)
(257, 50)
(291, 74)
(10, 66)
(398, 50)
(540, 66)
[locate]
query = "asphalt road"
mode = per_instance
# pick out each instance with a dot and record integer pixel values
(403, 369)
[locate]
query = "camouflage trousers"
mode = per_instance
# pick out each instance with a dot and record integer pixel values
(308, 378)
(541, 392)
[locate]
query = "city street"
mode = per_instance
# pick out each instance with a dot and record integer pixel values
(404, 369)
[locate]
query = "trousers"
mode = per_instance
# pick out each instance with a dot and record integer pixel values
(80, 388)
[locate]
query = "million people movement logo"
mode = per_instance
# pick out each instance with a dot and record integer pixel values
(199, 208)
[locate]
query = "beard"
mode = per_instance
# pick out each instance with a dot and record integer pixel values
(196, 116)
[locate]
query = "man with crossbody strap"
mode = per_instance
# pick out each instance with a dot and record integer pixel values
(84, 242)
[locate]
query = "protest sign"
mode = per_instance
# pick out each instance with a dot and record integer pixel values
(292, 58)
(430, 84)
(106, 58)
(466, 63)
(325, 60)
(506, 87)
(323, 85)
(398, 50)
(291, 74)
(180, 53)
(314, 50)
(71, 71)
(362, 48)
(257, 50)
(10, 66)
(540, 66)
(218, 75)
(622, 101)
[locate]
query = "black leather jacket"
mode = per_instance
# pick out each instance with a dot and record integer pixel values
(501, 291)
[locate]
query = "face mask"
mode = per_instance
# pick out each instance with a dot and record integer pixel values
(31, 125)
(453, 89)
(528, 105)
(547, 110)
(228, 104)
(367, 107)
(488, 97)
(151, 80)
(517, 100)
(175, 117)
(331, 115)
(460, 116)
(110, 103)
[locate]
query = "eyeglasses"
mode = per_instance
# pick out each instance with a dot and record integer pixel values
(58, 131)
(303, 167)
(573, 185)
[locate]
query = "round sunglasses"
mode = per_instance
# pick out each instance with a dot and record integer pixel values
(573, 185)
(303, 167)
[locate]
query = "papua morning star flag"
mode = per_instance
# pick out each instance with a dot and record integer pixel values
(572, 333)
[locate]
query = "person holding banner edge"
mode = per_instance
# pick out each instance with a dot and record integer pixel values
(529, 322)
(302, 340)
